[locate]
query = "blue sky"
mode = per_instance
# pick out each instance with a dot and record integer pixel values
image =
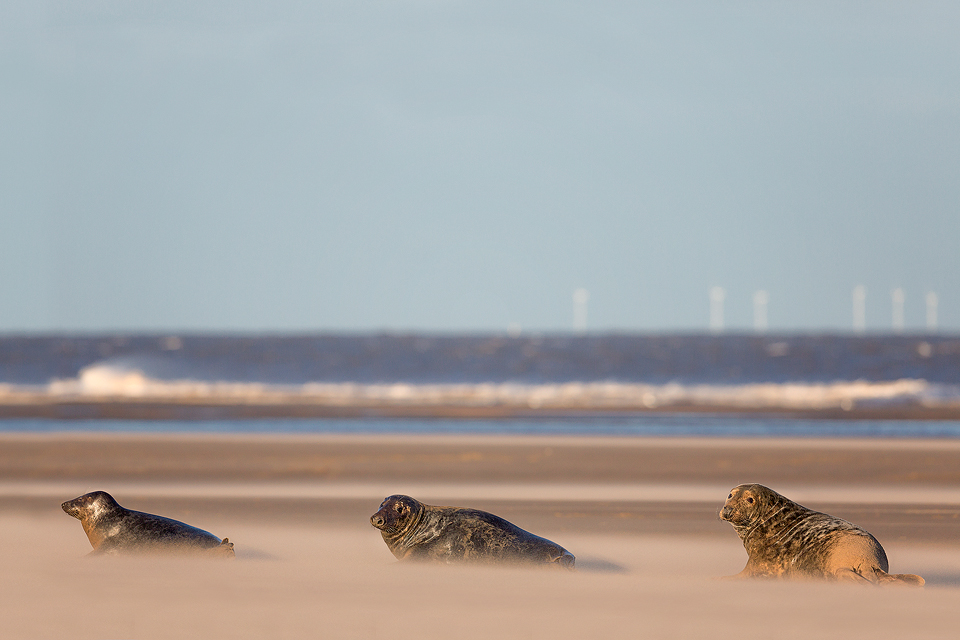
(457, 166)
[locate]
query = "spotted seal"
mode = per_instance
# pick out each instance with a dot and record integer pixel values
(417, 531)
(113, 529)
(786, 540)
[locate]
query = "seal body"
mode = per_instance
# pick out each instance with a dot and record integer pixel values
(786, 540)
(417, 531)
(113, 529)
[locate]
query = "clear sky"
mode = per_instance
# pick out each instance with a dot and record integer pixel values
(467, 166)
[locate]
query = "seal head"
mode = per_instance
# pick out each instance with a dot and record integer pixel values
(786, 540)
(416, 531)
(112, 529)
(398, 515)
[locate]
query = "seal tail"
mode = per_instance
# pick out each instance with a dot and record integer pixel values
(566, 560)
(225, 549)
(899, 578)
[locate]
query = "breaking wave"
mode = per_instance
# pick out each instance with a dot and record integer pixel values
(127, 381)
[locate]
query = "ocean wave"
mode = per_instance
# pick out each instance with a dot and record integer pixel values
(107, 382)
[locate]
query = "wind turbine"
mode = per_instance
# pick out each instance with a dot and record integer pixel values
(717, 295)
(760, 299)
(932, 302)
(859, 308)
(580, 299)
(897, 298)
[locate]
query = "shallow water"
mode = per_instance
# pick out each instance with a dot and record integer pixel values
(646, 425)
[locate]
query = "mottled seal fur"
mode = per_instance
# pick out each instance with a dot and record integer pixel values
(113, 529)
(786, 540)
(417, 531)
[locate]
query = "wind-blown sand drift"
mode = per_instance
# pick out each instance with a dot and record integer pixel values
(309, 564)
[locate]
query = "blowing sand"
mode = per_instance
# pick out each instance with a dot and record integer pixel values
(639, 514)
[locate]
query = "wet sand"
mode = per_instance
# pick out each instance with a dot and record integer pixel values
(280, 405)
(639, 514)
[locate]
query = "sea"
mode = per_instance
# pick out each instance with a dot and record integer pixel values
(735, 370)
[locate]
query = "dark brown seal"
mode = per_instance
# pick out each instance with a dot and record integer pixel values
(786, 540)
(112, 529)
(417, 531)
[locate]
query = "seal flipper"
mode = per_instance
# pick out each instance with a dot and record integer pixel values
(107, 547)
(565, 560)
(853, 575)
(225, 548)
(879, 577)
(899, 578)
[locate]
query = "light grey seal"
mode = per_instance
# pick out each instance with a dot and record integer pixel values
(113, 529)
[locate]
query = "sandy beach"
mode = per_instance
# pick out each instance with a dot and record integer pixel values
(639, 514)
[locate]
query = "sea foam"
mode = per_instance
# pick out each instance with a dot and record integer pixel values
(107, 382)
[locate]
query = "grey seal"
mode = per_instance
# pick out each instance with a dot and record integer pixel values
(786, 540)
(416, 531)
(112, 529)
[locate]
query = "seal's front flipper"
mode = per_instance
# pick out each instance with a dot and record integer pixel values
(108, 547)
(852, 575)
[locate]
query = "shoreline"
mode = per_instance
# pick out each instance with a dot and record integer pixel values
(41, 406)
